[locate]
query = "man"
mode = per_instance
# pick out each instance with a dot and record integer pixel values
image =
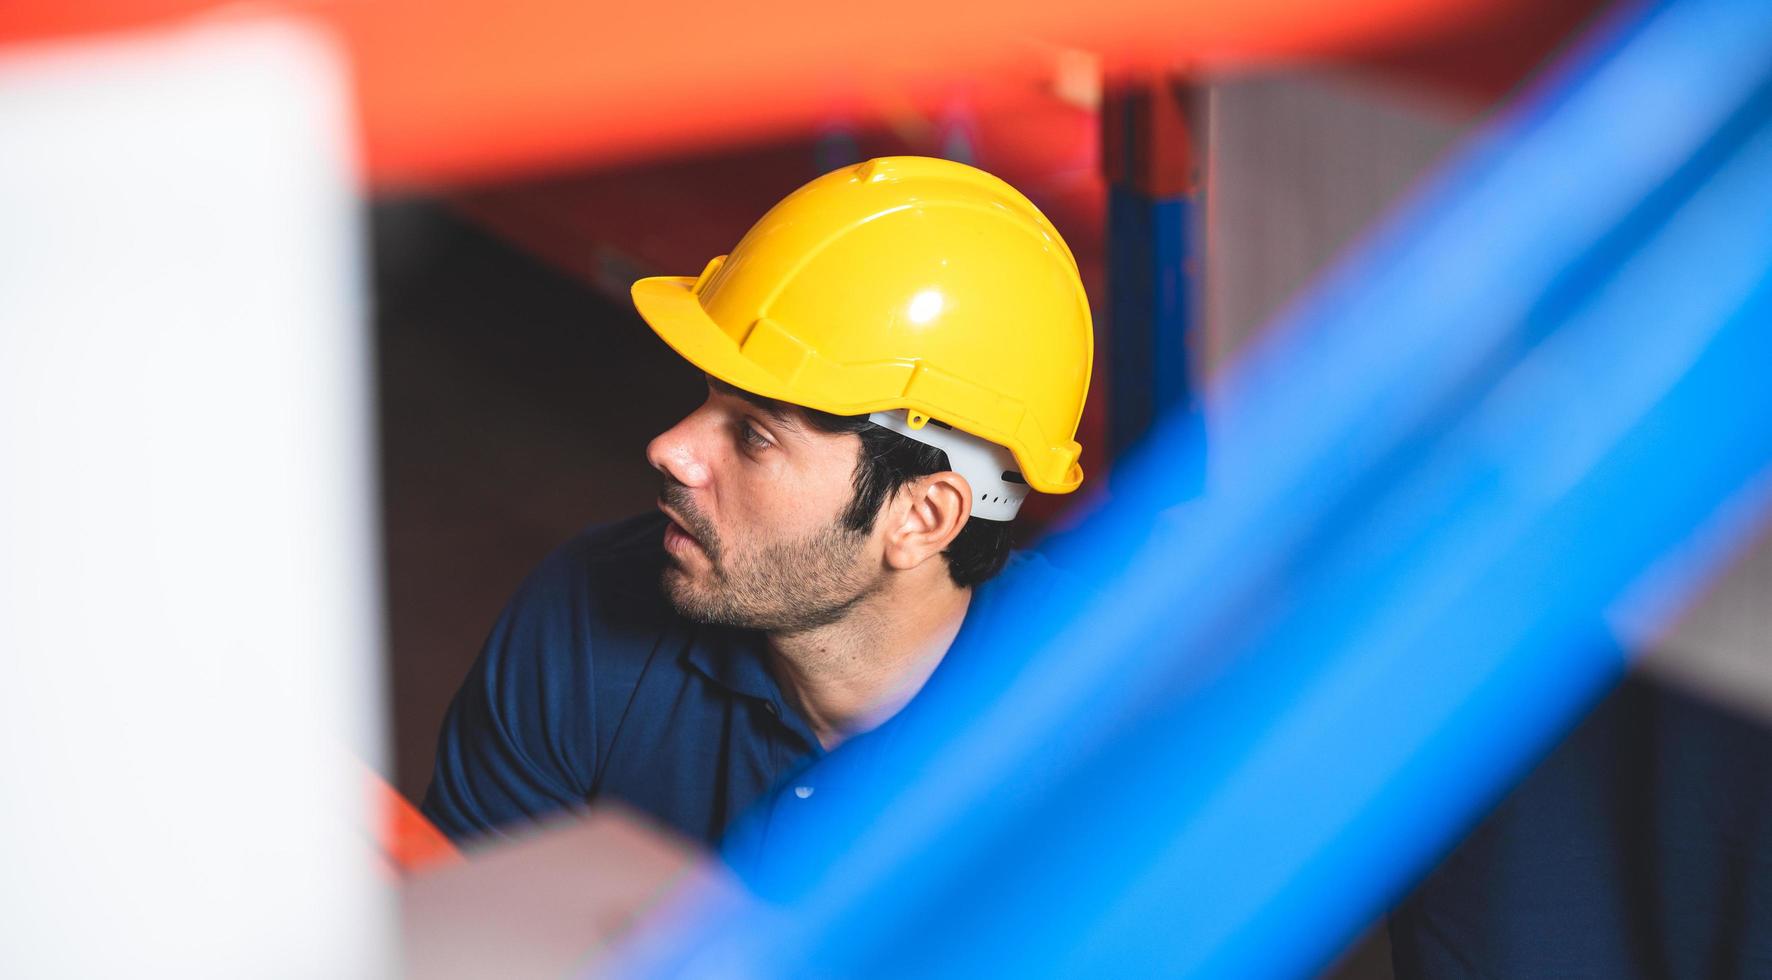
(896, 353)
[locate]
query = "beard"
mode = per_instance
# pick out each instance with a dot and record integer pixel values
(778, 587)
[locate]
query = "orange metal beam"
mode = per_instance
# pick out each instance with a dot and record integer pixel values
(453, 90)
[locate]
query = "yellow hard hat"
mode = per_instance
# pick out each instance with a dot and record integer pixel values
(904, 283)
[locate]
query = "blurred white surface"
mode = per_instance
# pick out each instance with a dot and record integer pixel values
(1300, 164)
(189, 609)
(557, 901)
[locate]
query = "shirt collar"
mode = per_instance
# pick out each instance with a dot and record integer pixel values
(734, 660)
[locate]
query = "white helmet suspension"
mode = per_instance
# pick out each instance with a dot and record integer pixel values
(997, 485)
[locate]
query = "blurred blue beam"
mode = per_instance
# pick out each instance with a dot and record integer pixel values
(1447, 636)
(1264, 715)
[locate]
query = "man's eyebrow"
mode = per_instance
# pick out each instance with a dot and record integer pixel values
(779, 412)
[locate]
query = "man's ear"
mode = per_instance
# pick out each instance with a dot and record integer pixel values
(927, 514)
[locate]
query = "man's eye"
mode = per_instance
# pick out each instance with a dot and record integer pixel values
(751, 437)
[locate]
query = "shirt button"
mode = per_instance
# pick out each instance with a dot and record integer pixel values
(802, 791)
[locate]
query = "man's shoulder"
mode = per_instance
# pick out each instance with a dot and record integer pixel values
(531, 726)
(590, 618)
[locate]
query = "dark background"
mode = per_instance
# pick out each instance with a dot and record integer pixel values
(515, 408)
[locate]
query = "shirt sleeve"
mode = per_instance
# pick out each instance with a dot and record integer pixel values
(519, 741)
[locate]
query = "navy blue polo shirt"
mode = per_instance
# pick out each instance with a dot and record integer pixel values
(1640, 849)
(591, 687)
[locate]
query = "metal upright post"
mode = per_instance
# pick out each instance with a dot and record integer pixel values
(1149, 142)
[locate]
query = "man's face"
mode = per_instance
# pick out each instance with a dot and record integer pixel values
(755, 496)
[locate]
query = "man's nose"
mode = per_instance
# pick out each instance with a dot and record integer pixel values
(676, 454)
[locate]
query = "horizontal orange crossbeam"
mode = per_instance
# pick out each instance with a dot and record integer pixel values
(453, 90)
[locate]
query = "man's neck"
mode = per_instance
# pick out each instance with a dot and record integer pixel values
(855, 673)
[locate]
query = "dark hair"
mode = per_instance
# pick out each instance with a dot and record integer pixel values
(887, 462)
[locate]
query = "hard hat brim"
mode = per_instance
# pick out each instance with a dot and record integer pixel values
(669, 307)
